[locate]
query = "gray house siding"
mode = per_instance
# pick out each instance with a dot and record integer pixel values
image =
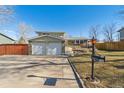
(121, 35)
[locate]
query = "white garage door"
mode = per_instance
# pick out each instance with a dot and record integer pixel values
(38, 48)
(47, 49)
(54, 49)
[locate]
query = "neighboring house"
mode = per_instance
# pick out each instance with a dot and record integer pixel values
(121, 33)
(48, 43)
(22, 41)
(6, 40)
(54, 34)
(76, 41)
(53, 43)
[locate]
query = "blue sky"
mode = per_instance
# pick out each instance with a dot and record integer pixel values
(74, 20)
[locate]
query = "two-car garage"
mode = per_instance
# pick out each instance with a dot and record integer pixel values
(46, 48)
(46, 45)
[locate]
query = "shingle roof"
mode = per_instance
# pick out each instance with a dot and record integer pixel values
(48, 32)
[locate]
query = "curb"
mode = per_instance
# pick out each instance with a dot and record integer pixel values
(77, 76)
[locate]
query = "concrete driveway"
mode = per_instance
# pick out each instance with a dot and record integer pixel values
(36, 72)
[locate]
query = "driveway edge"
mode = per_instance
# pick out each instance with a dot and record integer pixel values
(77, 76)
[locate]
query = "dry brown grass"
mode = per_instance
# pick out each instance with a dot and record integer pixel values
(110, 73)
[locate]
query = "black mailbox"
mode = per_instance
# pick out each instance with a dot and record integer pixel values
(98, 58)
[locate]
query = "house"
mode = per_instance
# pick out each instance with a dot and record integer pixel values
(22, 40)
(121, 34)
(47, 43)
(54, 34)
(76, 41)
(53, 43)
(6, 40)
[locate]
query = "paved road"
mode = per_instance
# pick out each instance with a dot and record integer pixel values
(36, 72)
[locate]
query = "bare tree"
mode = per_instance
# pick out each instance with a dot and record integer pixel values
(94, 32)
(109, 32)
(25, 31)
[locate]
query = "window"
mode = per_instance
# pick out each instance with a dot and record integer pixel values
(77, 42)
(81, 41)
(45, 33)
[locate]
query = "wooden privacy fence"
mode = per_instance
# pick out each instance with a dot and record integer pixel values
(110, 46)
(13, 49)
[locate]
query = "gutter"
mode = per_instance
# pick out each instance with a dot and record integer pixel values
(77, 76)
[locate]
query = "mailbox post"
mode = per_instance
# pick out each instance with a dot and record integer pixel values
(93, 53)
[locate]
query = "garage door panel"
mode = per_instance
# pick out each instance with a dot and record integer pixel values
(38, 49)
(51, 51)
(54, 49)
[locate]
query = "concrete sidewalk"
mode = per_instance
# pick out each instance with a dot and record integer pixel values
(36, 72)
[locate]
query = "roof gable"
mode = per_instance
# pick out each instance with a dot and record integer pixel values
(46, 38)
(22, 41)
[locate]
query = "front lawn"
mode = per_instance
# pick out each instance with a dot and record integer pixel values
(109, 73)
